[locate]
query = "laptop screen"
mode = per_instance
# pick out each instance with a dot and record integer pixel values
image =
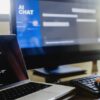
(12, 67)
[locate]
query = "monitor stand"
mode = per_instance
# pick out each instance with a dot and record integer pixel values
(50, 69)
(54, 74)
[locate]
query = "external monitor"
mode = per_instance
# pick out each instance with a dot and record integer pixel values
(56, 32)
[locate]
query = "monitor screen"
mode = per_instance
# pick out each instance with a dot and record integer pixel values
(51, 31)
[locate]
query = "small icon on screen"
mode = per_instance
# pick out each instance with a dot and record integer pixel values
(35, 23)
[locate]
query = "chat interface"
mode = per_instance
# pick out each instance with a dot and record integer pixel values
(43, 23)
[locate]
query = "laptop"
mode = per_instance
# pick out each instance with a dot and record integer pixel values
(14, 81)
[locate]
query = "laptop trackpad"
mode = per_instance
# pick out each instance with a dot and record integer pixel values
(50, 93)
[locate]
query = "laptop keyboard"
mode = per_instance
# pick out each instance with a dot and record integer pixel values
(22, 90)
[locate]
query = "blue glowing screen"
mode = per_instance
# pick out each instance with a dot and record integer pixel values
(28, 23)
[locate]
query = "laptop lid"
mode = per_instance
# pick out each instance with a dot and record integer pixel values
(12, 66)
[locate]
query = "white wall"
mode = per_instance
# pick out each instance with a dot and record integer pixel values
(4, 27)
